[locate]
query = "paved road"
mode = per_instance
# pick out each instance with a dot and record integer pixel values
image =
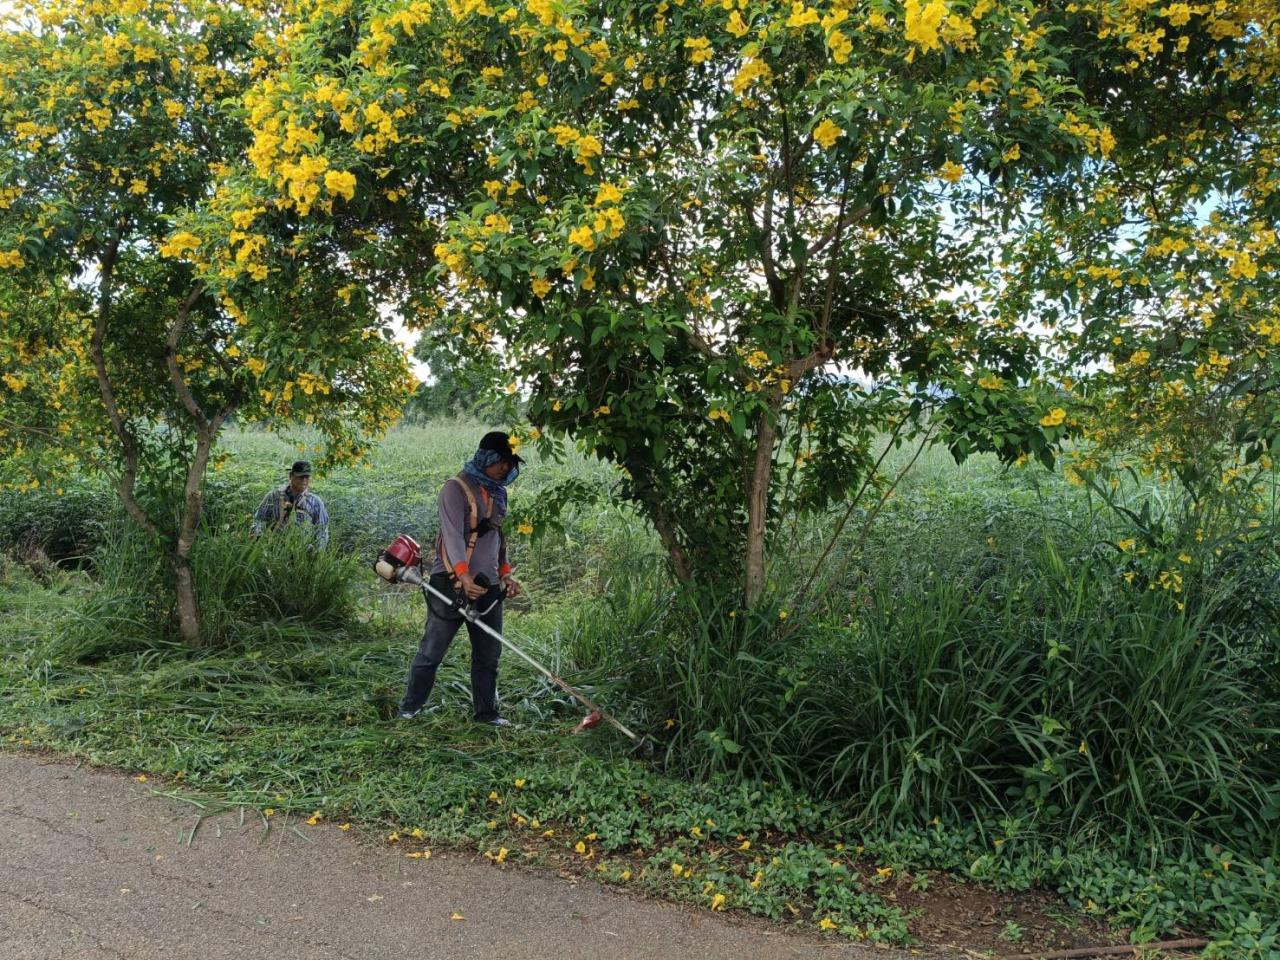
(93, 866)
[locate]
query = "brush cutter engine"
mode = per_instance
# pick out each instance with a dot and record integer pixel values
(401, 562)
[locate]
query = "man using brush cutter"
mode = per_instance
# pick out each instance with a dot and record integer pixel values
(471, 562)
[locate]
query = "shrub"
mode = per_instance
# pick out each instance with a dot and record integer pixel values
(1051, 689)
(246, 587)
(64, 525)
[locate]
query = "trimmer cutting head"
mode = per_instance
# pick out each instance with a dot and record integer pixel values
(589, 721)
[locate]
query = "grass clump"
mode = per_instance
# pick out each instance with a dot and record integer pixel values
(1051, 689)
(249, 590)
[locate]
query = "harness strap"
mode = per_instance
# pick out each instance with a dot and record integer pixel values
(286, 508)
(283, 509)
(473, 525)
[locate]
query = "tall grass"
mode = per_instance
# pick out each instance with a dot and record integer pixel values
(247, 589)
(1097, 709)
(1025, 684)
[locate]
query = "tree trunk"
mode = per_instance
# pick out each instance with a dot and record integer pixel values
(192, 508)
(757, 509)
(192, 496)
(679, 559)
(188, 610)
(189, 526)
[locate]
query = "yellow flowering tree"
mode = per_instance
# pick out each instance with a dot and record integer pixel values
(122, 348)
(1158, 286)
(698, 230)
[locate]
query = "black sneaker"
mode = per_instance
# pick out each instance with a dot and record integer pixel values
(403, 714)
(498, 722)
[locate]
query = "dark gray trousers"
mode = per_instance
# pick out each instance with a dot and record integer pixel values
(442, 627)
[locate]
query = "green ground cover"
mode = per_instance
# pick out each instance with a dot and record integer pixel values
(975, 688)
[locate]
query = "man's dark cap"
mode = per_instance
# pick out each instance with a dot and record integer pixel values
(300, 468)
(500, 443)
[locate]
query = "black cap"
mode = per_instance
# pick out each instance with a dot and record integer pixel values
(300, 468)
(500, 443)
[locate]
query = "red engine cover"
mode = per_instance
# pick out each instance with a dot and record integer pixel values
(404, 550)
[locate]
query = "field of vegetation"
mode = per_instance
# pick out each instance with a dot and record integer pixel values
(982, 685)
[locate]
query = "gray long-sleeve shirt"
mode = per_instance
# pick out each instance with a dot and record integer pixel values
(490, 554)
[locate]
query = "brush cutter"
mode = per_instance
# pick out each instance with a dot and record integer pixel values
(401, 563)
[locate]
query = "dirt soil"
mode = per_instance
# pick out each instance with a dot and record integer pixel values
(970, 917)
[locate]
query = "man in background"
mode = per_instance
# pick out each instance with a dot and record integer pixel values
(294, 503)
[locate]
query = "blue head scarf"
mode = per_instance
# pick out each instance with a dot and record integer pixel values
(474, 468)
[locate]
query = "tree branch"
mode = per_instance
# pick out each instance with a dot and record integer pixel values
(884, 498)
(679, 559)
(825, 324)
(776, 290)
(176, 329)
(801, 365)
(853, 503)
(842, 224)
(54, 437)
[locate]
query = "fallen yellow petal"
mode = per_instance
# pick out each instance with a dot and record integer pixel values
(457, 916)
